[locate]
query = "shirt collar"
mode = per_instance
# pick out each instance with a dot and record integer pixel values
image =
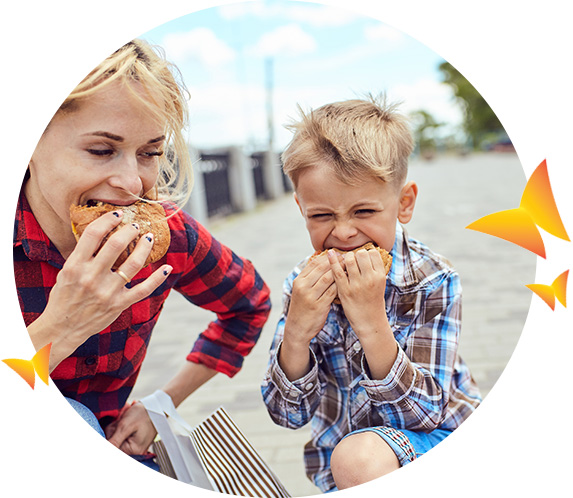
(402, 273)
(29, 235)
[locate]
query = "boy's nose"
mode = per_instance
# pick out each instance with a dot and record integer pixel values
(344, 231)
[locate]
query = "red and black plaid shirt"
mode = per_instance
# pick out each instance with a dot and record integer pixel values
(102, 371)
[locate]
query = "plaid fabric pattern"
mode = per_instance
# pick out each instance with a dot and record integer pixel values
(102, 371)
(409, 454)
(428, 387)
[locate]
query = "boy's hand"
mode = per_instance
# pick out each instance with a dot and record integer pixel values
(312, 294)
(361, 289)
(361, 292)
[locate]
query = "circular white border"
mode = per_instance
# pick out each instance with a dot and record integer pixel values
(518, 58)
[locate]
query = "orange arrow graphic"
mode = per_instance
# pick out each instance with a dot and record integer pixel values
(558, 289)
(27, 369)
(536, 209)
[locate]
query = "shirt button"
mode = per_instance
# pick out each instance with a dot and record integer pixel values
(293, 394)
(90, 361)
(309, 386)
(356, 346)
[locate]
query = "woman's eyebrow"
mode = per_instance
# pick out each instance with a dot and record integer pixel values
(158, 139)
(117, 138)
(105, 134)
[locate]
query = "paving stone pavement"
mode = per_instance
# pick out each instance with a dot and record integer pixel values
(454, 191)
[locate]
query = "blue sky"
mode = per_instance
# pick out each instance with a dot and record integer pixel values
(319, 53)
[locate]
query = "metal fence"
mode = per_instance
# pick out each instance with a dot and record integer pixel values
(227, 181)
(258, 175)
(215, 171)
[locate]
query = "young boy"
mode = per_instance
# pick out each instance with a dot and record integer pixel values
(378, 375)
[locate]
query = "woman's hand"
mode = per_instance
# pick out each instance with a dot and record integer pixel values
(133, 430)
(88, 296)
(312, 294)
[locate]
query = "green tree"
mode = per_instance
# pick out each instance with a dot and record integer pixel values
(425, 126)
(480, 122)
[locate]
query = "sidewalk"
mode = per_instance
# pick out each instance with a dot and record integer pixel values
(454, 191)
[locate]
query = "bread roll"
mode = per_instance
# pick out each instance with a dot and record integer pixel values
(386, 258)
(149, 216)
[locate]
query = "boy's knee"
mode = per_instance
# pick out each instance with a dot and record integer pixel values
(360, 458)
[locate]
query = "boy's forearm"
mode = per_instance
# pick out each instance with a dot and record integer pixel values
(380, 348)
(294, 359)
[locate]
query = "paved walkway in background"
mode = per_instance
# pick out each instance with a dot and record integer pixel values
(454, 191)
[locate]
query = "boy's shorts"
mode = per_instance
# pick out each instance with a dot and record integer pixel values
(407, 445)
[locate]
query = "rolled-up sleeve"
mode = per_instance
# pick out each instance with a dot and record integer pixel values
(415, 394)
(218, 280)
(291, 404)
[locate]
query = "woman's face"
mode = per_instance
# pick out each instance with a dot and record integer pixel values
(106, 149)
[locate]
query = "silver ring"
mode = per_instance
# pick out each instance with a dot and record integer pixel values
(123, 275)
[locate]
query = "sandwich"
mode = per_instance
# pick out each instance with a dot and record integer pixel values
(386, 257)
(150, 216)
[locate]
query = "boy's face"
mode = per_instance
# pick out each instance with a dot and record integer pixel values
(345, 216)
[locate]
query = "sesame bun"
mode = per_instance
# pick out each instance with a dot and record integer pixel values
(149, 216)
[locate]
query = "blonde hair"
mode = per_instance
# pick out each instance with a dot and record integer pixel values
(356, 138)
(164, 96)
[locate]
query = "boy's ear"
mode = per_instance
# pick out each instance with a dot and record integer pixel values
(298, 203)
(408, 196)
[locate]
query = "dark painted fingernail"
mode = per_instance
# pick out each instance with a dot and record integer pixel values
(135, 225)
(167, 271)
(117, 214)
(149, 237)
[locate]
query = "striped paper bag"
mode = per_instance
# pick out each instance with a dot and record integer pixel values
(214, 455)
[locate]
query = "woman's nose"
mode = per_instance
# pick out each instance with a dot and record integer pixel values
(127, 177)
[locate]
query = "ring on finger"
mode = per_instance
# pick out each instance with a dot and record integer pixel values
(123, 275)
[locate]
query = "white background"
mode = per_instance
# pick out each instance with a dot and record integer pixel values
(517, 56)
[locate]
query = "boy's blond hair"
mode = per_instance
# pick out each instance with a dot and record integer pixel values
(357, 138)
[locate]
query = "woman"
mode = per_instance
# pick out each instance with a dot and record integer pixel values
(108, 142)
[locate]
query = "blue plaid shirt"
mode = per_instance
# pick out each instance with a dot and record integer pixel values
(428, 387)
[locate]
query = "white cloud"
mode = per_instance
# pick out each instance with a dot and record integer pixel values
(379, 31)
(321, 16)
(431, 96)
(224, 114)
(200, 44)
(315, 15)
(290, 40)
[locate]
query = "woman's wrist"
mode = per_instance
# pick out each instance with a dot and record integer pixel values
(187, 381)
(42, 333)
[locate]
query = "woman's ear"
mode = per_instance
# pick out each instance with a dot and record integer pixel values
(408, 196)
